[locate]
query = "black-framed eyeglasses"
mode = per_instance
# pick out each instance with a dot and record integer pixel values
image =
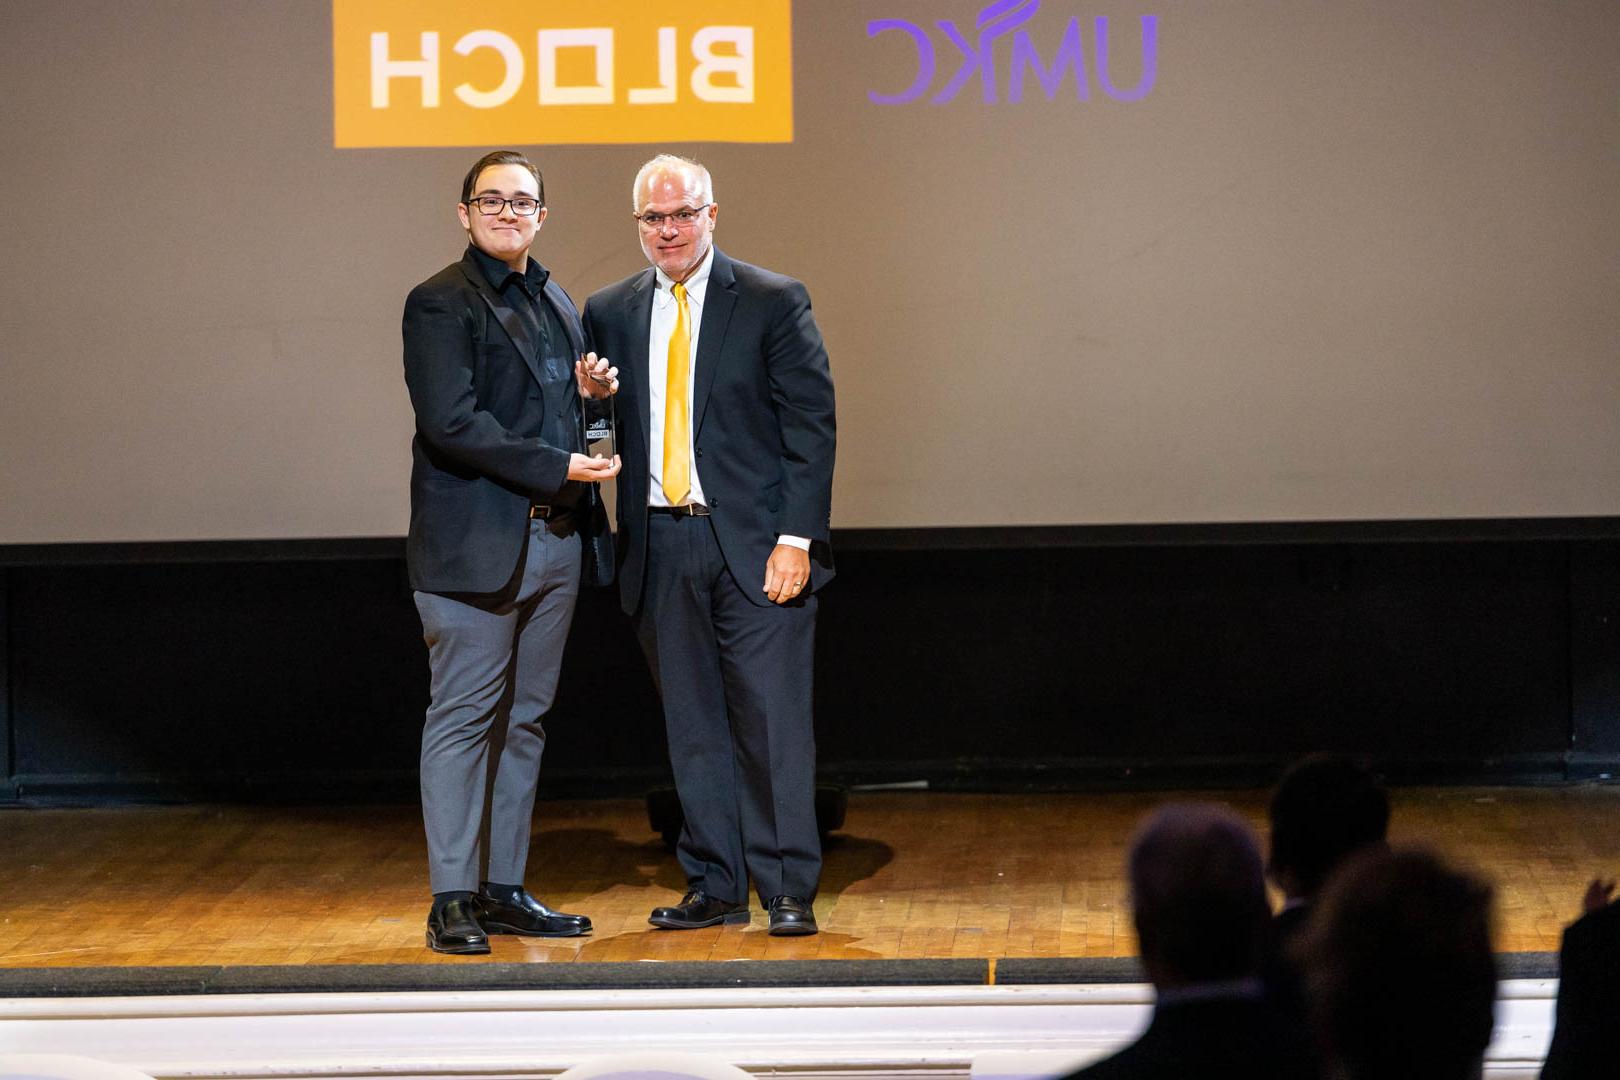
(684, 218)
(490, 205)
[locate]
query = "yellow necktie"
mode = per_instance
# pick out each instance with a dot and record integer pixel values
(678, 406)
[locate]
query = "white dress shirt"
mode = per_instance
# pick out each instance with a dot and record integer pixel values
(661, 330)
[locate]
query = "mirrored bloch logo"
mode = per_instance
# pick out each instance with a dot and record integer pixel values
(1080, 53)
(458, 73)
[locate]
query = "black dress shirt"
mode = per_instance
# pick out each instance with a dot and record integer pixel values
(525, 293)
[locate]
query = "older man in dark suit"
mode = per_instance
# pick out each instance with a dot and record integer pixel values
(723, 519)
(505, 521)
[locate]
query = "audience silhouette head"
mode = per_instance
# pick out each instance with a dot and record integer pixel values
(1198, 895)
(1325, 808)
(1398, 968)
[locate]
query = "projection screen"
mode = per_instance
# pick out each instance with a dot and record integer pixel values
(1076, 262)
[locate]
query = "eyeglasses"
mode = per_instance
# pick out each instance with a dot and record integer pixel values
(684, 218)
(490, 205)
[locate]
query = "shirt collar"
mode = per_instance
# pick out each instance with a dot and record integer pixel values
(696, 285)
(497, 273)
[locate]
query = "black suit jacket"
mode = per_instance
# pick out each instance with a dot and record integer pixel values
(1586, 1038)
(762, 418)
(1222, 1039)
(477, 461)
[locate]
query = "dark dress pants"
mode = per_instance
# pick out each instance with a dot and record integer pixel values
(494, 661)
(735, 679)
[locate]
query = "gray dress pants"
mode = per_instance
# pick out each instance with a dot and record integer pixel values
(494, 661)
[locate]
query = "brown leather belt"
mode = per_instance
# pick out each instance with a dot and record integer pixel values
(688, 510)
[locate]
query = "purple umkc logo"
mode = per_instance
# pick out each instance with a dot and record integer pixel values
(978, 57)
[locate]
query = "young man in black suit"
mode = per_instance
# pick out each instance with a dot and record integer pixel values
(505, 521)
(723, 512)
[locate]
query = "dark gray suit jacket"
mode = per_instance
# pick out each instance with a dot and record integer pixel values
(477, 461)
(762, 418)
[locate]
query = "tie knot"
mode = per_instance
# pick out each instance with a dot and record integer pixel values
(680, 292)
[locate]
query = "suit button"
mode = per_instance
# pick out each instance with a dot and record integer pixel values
(713, 503)
(700, 451)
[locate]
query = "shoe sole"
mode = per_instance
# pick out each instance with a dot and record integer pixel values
(471, 948)
(503, 928)
(792, 931)
(733, 919)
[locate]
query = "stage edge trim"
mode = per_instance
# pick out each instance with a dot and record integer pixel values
(502, 1035)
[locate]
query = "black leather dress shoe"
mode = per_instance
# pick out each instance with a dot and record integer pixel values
(790, 917)
(453, 928)
(523, 914)
(698, 909)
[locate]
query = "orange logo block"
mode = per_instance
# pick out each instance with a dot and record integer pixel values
(458, 73)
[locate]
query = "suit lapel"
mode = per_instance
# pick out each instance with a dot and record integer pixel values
(638, 320)
(509, 319)
(718, 302)
(566, 315)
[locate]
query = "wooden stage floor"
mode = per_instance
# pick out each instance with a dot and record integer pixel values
(911, 876)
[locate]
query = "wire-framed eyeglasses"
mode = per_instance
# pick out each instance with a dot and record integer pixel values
(684, 218)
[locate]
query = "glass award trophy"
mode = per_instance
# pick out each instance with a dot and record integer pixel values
(600, 430)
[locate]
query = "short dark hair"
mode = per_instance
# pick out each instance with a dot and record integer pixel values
(1326, 807)
(501, 157)
(1398, 967)
(1198, 893)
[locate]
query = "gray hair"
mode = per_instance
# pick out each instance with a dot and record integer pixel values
(1198, 892)
(671, 163)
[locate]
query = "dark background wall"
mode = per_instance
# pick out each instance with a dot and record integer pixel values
(974, 659)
